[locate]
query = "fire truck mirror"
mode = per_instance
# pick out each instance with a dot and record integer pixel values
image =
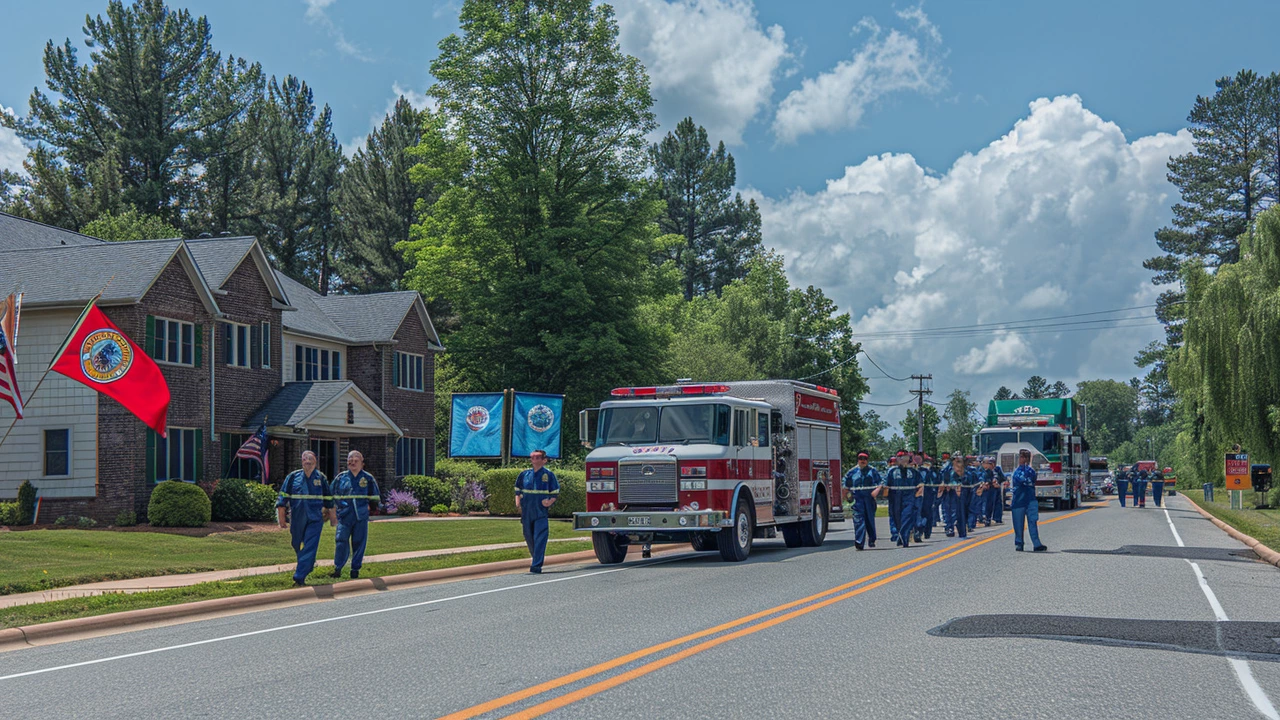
(588, 421)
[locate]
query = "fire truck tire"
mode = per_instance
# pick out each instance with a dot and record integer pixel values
(1057, 504)
(791, 535)
(814, 532)
(703, 542)
(735, 543)
(610, 549)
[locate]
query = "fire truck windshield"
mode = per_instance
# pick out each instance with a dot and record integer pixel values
(1046, 442)
(991, 442)
(648, 424)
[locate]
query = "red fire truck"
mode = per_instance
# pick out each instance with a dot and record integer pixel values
(717, 465)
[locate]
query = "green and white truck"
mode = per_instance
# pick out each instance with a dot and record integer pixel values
(1053, 430)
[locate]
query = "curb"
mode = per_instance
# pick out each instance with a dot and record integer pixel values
(1267, 554)
(32, 635)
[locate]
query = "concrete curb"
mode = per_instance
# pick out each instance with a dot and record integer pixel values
(32, 635)
(1262, 551)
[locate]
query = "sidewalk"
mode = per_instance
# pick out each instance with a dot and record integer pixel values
(163, 582)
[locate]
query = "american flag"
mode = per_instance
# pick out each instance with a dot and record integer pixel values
(8, 376)
(255, 448)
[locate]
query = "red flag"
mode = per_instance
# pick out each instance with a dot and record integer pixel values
(102, 357)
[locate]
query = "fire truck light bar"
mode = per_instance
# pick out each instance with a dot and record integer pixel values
(828, 390)
(669, 391)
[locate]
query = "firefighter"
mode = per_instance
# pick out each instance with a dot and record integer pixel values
(927, 499)
(306, 495)
(1122, 483)
(955, 497)
(863, 484)
(904, 484)
(1139, 484)
(536, 491)
(976, 504)
(355, 492)
(1025, 505)
(1157, 486)
(995, 480)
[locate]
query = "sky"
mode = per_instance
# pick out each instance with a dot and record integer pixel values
(927, 165)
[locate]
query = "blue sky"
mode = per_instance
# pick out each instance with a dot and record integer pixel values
(1016, 148)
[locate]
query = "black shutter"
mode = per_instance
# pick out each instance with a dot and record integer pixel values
(255, 346)
(199, 345)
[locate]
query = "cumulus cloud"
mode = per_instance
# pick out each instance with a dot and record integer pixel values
(1059, 213)
(419, 100)
(12, 151)
(886, 63)
(317, 14)
(709, 59)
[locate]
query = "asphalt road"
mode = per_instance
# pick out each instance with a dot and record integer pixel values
(948, 629)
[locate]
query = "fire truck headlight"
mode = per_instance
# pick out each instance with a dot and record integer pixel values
(595, 522)
(693, 506)
(602, 486)
(693, 484)
(684, 521)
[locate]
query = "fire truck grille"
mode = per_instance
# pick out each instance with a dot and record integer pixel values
(1008, 461)
(648, 483)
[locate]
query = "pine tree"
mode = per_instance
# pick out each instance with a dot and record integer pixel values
(1036, 389)
(1004, 393)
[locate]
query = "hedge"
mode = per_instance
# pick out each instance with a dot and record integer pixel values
(240, 500)
(500, 484)
(9, 514)
(178, 504)
(429, 491)
(26, 503)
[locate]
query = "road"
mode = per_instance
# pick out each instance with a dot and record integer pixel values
(789, 633)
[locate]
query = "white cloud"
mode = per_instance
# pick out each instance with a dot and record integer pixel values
(1059, 213)
(886, 63)
(709, 59)
(1006, 352)
(317, 15)
(12, 151)
(419, 100)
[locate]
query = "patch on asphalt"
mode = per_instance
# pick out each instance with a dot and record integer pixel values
(1232, 638)
(1177, 553)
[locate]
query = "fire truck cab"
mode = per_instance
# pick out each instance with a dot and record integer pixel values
(713, 464)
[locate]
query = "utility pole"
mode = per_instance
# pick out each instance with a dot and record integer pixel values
(920, 393)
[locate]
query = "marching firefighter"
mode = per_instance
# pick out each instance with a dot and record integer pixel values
(905, 484)
(959, 483)
(1122, 483)
(1139, 484)
(1025, 505)
(355, 492)
(1157, 487)
(862, 485)
(995, 480)
(536, 491)
(306, 495)
(928, 500)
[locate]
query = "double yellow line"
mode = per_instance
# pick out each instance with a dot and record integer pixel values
(810, 603)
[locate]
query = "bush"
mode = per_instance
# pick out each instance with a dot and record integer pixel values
(126, 518)
(401, 502)
(9, 514)
(86, 522)
(439, 509)
(178, 504)
(62, 520)
(26, 502)
(429, 491)
(500, 485)
(1272, 501)
(452, 471)
(240, 500)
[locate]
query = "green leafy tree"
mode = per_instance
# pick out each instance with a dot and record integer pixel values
(1155, 393)
(720, 232)
(961, 415)
(127, 129)
(130, 225)
(1112, 408)
(910, 431)
(1037, 388)
(877, 445)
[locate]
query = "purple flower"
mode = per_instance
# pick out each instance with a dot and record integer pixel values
(401, 502)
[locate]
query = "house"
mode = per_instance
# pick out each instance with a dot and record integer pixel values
(239, 344)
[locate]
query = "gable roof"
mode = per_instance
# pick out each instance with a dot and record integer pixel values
(298, 402)
(218, 258)
(18, 233)
(308, 319)
(354, 319)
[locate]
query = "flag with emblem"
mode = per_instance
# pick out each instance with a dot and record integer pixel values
(10, 312)
(255, 448)
(99, 355)
(9, 375)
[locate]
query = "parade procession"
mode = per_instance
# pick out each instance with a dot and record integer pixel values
(654, 359)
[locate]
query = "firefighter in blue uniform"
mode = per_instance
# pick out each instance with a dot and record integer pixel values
(862, 485)
(306, 495)
(977, 504)
(1122, 483)
(355, 492)
(1157, 487)
(928, 501)
(960, 482)
(904, 484)
(536, 492)
(1025, 505)
(1139, 484)
(995, 480)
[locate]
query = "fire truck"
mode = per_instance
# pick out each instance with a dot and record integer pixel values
(1053, 430)
(718, 465)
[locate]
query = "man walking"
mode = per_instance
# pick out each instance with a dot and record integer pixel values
(536, 491)
(951, 478)
(994, 478)
(1140, 487)
(306, 495)
(355, 492)
(927, 500)
(1157, 487)
(904, 484)
(1122, 483)
(862, 485)
(1025, 505)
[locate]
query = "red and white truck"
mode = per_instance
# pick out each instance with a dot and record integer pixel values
(713, 464)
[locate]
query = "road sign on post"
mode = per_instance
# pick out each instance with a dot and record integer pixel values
(1237, 472)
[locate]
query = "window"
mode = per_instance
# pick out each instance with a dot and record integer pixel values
(762, 429)
(178, 457)
(311, 364)
(235, 343)
(266, 344)
(324, 364)
(57, 452)
(630, 425)
(741, 427)
(234, 467)
(173, 341)
(326, 456)
(411, 456)
(408, 371)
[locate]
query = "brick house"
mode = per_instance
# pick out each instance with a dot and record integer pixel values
(239, 345)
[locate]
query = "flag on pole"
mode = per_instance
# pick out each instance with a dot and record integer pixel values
(10, 312)
(8, 375)
(100, 356)
(256, 448)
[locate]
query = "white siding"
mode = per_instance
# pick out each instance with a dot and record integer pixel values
(60, 403)
(334, 418)
(289, 341)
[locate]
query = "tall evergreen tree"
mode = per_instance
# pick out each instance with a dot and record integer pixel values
(1037, 388)
(720, 232)
(127, 129)
(1004, 393)
(1059, 390)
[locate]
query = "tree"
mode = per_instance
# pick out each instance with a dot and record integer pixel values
(1155, 394)
(130, 225)
(1036, 389)
(720, 233)
(876, 445)
(1004, 393)
(126, 130)
(1059, 390)
(1112, 408)
(910, 431)
(959, 412)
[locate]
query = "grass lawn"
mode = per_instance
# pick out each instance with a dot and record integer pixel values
(103, 604)
(44, 559)
(1263, 525)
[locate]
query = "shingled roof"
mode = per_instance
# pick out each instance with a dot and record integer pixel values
(355, 319)
(22, 234)
(297, 402)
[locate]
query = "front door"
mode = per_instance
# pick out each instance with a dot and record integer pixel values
(326, 456)
(752, 465)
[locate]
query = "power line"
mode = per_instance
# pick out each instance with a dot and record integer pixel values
(1029, 320)
(877, 365)
(904, 402)
(1017, 326)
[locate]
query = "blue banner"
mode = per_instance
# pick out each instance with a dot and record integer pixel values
(476, 427)
(536, 424)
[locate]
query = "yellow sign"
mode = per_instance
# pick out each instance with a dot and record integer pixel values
(1236, 469)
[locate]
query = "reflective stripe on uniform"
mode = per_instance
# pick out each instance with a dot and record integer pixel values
(537, 492)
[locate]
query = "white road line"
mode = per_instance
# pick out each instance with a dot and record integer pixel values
(1243, 673)
(341, 617)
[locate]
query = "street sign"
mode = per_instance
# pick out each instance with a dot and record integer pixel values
(1236, 469)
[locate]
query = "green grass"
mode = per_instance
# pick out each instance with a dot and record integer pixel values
(1263, 525)
(103, 604)
(45, 559)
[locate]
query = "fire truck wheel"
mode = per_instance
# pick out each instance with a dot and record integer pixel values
(702, 542)
(791, 535)
(1057, 504)
(735, 543)
(610, 549)
(814, 532)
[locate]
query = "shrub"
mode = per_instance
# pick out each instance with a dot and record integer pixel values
(126, 518)
(429, 491)
(240, 500)
(573, 493)
(62, 520)
(26, 502)
(264, 501)
(473, 497)
(439, 509)
(9, 514)
(178, 504)
(451, 471)
(500, 486)
(86, 522)
(1273, 501)
(401, 502)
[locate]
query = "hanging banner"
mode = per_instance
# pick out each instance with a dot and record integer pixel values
(535, 425)
(475, 430)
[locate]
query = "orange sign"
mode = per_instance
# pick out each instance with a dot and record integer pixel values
(1237, 472)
